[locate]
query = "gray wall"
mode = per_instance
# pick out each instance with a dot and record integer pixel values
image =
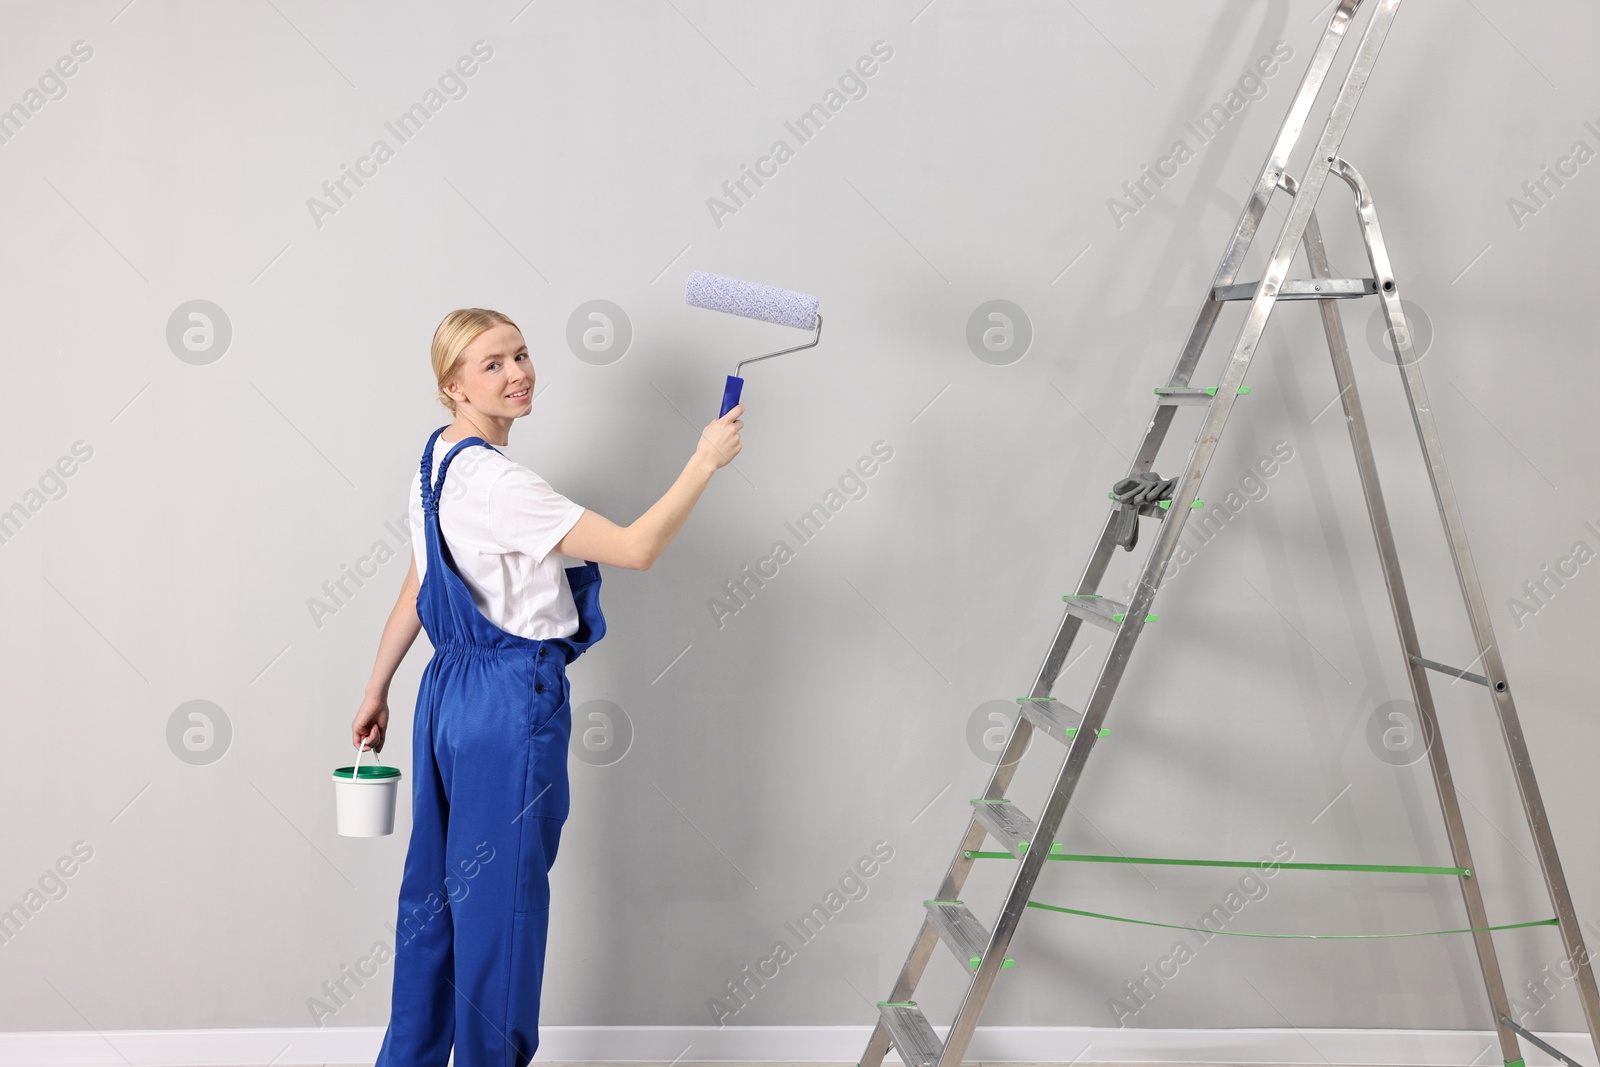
(224, 486)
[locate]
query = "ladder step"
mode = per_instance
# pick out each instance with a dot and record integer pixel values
(1100, 610)
(1180, 395)
(908, 1028)
(961, 930)
(1303, 289)
(1051, 717)
(1005, 824)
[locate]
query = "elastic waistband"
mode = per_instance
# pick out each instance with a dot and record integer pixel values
(534, 645)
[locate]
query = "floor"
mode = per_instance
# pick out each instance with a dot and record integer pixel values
(775, 1063)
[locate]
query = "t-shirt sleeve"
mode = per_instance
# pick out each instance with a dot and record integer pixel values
(527, 515)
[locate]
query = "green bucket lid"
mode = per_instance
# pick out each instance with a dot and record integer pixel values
(370, 771)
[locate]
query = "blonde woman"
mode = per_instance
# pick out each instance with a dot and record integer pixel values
(492, 721)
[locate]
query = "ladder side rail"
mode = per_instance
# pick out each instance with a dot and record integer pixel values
(1272, 172)
(1272, 175)
(1477, 609)
(1233, 257)
(999, 781)
(1244, 230)
(1016, 744)
(1155, 434)
(1289, 132)
(1111, 671)
(1227, 270)
(927, 936)
(1405, 625)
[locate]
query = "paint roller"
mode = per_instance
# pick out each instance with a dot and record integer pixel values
(753, 301)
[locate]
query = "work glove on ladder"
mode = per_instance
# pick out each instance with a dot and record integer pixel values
(1146, 487)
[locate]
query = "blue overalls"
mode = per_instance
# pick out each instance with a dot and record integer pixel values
(489, 797)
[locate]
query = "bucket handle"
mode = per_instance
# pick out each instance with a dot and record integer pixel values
(355, 772)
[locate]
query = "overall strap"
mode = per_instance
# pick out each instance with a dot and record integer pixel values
(427, 471)
(430, 494)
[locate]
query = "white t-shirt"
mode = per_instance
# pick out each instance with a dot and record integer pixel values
(502, 522)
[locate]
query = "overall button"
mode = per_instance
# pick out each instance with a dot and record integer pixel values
(541, 650)
(539, 688)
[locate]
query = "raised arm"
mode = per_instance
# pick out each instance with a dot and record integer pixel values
(638, 544)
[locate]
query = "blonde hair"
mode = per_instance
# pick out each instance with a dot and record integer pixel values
(458, 330)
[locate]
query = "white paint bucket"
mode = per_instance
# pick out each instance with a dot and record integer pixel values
(364, 798)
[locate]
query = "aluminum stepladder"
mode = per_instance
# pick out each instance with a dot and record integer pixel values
(982, 951)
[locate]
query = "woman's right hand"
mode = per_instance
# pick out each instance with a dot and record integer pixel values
(371, 723)
(719, 441)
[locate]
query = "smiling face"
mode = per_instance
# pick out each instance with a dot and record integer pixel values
(494, 378)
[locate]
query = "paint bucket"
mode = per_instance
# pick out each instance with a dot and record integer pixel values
(364, 797)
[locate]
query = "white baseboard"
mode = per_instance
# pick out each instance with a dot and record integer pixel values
(835, 1044)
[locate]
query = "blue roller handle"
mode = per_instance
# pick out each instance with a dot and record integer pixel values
(730, 394)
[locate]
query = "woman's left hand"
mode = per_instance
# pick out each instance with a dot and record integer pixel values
(371, 723)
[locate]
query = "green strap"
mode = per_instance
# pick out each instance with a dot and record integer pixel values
(1383, 868)
(1308, 937)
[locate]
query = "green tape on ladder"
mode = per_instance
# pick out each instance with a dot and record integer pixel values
(1243, 390)
(1119, 616)
(976, 960)
(1296, 937)
(1072, 731)
(1371, 868)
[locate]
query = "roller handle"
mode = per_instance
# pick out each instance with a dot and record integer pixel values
(730, 394)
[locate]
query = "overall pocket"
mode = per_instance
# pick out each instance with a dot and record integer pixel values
(547, 692)
(549, 793)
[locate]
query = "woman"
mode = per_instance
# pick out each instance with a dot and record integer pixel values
(489, 737)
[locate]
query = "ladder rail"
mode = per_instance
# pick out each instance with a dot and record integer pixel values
(1289, 132)
(960, 867)
(999, 781)
(1111, 671)
(1244, 231)
(1227, 270)
(1405, 625)
(1477, 609)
